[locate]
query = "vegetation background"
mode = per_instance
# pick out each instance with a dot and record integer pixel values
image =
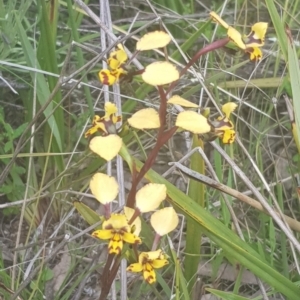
(45, 162)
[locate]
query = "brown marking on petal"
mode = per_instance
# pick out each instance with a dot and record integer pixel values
(220, 124)
(112, 250)
(117, 238)
(150, 279)
(108, 226)
(104, 78)
(253, 55)
(251, 39)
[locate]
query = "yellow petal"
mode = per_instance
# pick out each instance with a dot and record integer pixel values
(218, 19)
(228, 136)
(181, 101)
(149, 274)
(153, 40)
(136, 267)
(113, 63)
(228, 108)
(96, 120)
(137, 224)
(164, 220)
(193, 122)
(143, 257)
(255, 53)
(145, 119)
(117, 58)
(131, 238)
(160, 73)
(150, 196)
(152, 255)
(106, 77)
(105, 188)
(110, 108)
(96, 128)
(118, 73)
(159, 263)
(236, 37)
(106, 147)
(115, 245)
(117, 222)
(256, 38)
(103, 234)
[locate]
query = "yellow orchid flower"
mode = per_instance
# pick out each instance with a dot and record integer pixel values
(109, 77)
(248, 43)
(117, 230)
(148, 261)
(105, 124)
(117, 58)
(222, 126)
(115, 62)
(109, 144)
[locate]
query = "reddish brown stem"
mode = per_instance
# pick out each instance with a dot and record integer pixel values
(132, 192)
(162, 118)
(151, 158)
(208, 48)
(110, 276)
(134, 216)
(106, 274)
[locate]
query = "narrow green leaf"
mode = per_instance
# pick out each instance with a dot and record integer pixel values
(190, 42)
(87, 213)
(226, 295)
(294, 71)
(181, 290)
(80, 58)
(193, 233)
(279, 27)
(46, 56)
(42, 87)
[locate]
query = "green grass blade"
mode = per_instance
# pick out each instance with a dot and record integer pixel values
(193, 232)
(47, 58)
(43, 92)
(181, 283)
(75, 37)
(190, 42)
(279, 28)
(225, 295)
(294, 70)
